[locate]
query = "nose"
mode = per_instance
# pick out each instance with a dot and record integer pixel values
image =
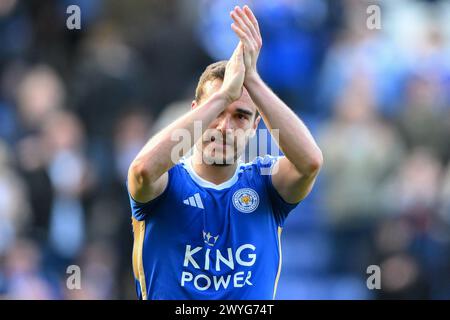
(224, 124)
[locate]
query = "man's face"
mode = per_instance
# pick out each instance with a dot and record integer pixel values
(226, 137)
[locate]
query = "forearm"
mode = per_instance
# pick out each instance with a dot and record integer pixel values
(295, 140)
(163, 150)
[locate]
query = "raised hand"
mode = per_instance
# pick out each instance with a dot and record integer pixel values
(247, 29)
(234, 75)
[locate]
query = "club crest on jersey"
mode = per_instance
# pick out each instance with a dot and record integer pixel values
(246, 200)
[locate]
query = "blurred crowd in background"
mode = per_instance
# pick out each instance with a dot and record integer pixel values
(77, 105)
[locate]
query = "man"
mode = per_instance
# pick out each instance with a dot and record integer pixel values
(208, 226)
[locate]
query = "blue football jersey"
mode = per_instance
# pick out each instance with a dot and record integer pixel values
(198, 240)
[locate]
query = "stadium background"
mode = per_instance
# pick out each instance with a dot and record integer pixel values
(76, 106)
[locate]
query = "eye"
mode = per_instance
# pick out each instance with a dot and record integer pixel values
(242, 116)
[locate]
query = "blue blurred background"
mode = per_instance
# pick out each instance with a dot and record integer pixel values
(77, 105)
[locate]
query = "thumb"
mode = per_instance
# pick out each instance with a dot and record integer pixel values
(239, 52)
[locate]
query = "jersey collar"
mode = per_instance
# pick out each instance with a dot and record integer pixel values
(187, 162)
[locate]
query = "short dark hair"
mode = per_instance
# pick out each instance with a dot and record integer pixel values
(212, 72)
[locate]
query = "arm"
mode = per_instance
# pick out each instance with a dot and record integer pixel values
(147, 175)
(303, 158)
(297, 171)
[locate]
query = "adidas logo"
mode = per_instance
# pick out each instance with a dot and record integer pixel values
(194, 201)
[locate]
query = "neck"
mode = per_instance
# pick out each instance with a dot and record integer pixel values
(216, 174)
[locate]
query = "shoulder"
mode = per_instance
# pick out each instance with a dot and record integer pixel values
(259, 170)
(262, 165)
(175, 177)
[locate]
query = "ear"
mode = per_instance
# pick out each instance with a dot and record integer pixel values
(256, 123)
(193, 104)
(255, 126)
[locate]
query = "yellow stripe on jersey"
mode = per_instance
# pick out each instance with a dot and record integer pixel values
(280, 229)
(138, 265)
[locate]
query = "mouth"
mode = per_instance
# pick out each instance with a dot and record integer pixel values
(221, 142)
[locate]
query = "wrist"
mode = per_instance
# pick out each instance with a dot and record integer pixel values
(252, 79)
(223, 96)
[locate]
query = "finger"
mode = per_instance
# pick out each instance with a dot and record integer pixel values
(252, 18)
(240, 23)
(247, 46)
(247, 22)
(243, 36)
(244, 33)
